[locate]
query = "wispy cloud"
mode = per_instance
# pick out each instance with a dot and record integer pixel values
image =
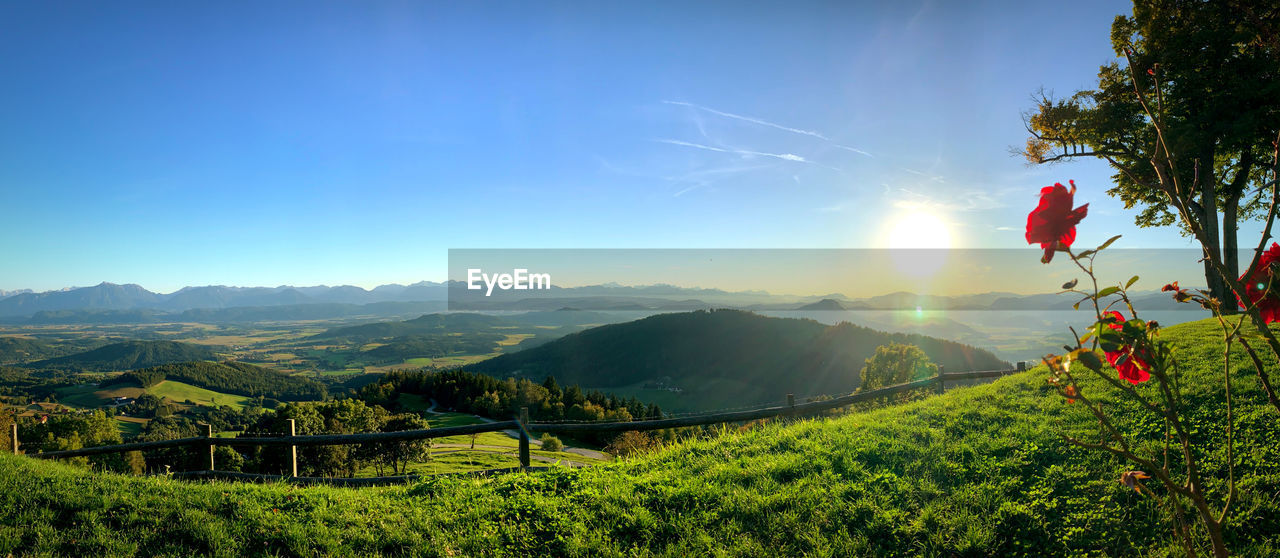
(762, 122)
(784, 156)
(694, 180)
(750, 119)
(854, 149)
(933, 177)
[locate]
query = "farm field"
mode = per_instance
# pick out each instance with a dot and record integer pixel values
(181, 393)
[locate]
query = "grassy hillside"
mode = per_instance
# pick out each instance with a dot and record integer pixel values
(722, 358)
(181, 393)
(976, 472)
(228, 377)
(129, 355)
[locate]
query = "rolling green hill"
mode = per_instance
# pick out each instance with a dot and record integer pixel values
(228, 377)
(721, 358)
(14, 350)
(979, 471)
(129, 355)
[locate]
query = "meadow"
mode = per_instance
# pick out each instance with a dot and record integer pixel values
(977, 471)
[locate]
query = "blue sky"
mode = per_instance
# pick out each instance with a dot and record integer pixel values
(182, 143)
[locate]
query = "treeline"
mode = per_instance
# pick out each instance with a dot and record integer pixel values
(491, 397)
(342, 416)
(228, 377)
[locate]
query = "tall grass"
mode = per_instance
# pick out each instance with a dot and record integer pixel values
(976, 472)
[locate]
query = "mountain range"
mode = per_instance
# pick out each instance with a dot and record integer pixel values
(113, 297)
(112, 303)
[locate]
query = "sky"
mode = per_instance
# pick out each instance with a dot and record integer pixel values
(259, 144)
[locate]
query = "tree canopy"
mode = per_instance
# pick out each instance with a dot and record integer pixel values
(1209, 74)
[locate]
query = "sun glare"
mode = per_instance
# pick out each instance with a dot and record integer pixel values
(917, 240)
(918, 228)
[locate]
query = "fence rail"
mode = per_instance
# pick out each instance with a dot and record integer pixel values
(524, 426)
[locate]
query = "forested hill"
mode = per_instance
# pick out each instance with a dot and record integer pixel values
(129, 355)
(722, 356)
(228, 377)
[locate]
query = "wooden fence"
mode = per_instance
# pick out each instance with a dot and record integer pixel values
(208, 442)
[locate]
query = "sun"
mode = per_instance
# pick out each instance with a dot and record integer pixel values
(917, 240)
(917, 228)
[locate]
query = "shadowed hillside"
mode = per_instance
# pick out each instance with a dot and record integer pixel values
(129, 355)
(722, 357)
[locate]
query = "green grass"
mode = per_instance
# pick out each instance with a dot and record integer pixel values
(442, 420)
(80, 395)
(978, 471)
(129, 427)
(181, 393)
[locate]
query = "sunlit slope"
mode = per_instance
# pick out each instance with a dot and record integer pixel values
(976, 472)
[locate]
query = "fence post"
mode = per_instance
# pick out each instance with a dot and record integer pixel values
(524, 437)
(942, 384)
(208, 433)
(791, 400)
(13, 438)
(1022, 366)
(293, 451)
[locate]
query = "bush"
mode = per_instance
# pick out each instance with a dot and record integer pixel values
(551, 443)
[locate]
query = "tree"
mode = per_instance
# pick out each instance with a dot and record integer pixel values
(894, 364)
(400, 454)
(1212, 72)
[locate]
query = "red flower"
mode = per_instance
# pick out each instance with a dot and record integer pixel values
(1053, 222)
(1258, 281)
(1134, 368)
(1170, 287)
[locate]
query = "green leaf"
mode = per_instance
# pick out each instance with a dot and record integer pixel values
(1084, 254)
(1090, 360)
(1108, 291)
(1108, 242)
(1110, 341)
(1132, 280)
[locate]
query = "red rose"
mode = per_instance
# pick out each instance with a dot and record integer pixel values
(1256, 283)
(1053, 222)
(1134, 368)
